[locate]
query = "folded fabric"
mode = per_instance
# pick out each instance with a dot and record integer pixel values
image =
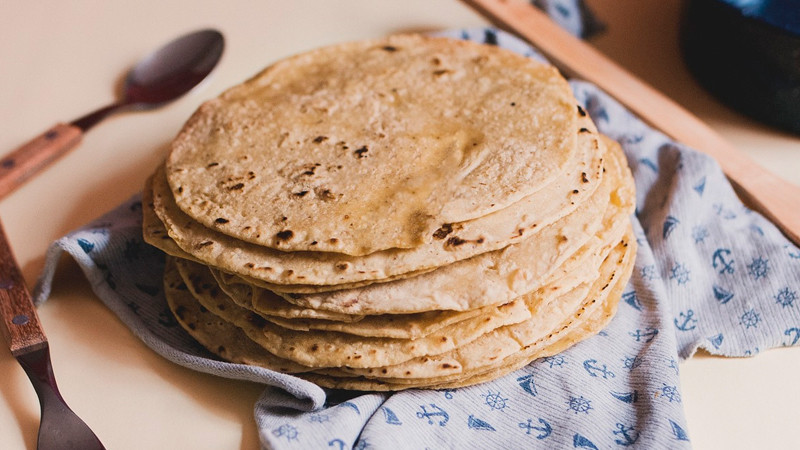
(710, 273)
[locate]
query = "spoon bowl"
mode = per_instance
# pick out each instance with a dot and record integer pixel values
(163, 76)
(174, 69)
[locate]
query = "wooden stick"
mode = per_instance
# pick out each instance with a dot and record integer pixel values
(764, 191)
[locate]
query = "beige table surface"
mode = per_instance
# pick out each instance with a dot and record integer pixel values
(60, 59)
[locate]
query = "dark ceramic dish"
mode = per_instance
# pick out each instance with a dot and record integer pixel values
(747, 53)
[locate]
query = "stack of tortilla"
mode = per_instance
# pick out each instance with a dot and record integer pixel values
(394, 213)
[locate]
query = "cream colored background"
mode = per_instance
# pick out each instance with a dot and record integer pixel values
(61, 59)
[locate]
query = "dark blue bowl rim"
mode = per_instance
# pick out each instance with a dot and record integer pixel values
(791, 28)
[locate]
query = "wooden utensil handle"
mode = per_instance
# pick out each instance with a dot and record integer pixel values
(20, 323)
(26, 161)
(774, 197)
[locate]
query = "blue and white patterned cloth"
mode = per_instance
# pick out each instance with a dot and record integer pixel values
(709, 274)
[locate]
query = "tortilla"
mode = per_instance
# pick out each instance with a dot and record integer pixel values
(504, 274)
(276, 310)
(280, 271)
(484, 359)
(203, 277)
(284, 160)
(217, 335)
(548, 314)
(348, 215)
(591, 316)
(332, 349)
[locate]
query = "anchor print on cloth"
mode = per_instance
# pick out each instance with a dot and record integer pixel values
(709, 274)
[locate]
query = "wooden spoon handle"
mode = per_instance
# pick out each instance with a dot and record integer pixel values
(20, 323)
(26, 161)
(774, 197)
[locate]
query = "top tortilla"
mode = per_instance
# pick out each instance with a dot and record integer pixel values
(373, 145)
(317, 271)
